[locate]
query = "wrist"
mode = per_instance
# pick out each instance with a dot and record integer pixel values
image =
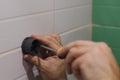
(62, 77)
(56, 79)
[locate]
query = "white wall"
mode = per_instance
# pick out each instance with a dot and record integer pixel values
(20, 18)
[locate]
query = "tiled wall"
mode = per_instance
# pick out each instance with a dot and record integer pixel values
(106, 24)
(20, 18)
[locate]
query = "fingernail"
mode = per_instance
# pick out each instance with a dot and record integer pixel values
(62, 56)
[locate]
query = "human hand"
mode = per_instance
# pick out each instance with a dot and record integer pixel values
(52, 41)
(90, 61)
(49, 65)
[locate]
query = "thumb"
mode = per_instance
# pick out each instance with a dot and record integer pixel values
(62, 53)
(34, 60)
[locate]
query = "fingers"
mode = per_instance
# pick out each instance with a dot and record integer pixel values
(57, 37)
(34, 60)
(74, 54)
(74, 51)
(67, 48)
(52, 40)
(41, 39)
(76, 68)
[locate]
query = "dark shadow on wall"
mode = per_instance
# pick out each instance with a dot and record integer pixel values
(29, 72)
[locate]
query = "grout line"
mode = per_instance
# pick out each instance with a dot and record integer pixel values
(92, 12)
(72, 7)
(42, 12)
(23, 16)
(107, 26)
(38, 13)
(106, 6)
(54, 20)
(66, 32)
(75, 29)
(18, 48)
(9, 51)
(26, 15)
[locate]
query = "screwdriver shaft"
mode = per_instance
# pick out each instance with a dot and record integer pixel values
(48, 48)
(55, 51)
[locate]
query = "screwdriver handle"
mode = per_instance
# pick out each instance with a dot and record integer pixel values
(62, 56)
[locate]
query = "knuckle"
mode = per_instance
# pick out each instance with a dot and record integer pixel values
(47, 37)
(76, 63)
(72, 50)
(72, 53)
(48, 43)
(76, 43)
(56, 35)
(96, 48)
(103, 45)
(73, 65)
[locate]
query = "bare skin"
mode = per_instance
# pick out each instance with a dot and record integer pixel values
(90, 61)
(85, 59)
(49, 65)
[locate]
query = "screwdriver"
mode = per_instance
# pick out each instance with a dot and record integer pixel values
(32, 46)
(54, 50)
(48, 48)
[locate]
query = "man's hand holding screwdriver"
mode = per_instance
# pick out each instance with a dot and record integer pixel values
(87, 60)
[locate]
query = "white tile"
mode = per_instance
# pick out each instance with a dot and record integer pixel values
(10, 8)
(71, 3)
(23, 78)
(11, 65)
(14, 68)
(71, 18)
(13, 31)
(82, 33)
(71, 77)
